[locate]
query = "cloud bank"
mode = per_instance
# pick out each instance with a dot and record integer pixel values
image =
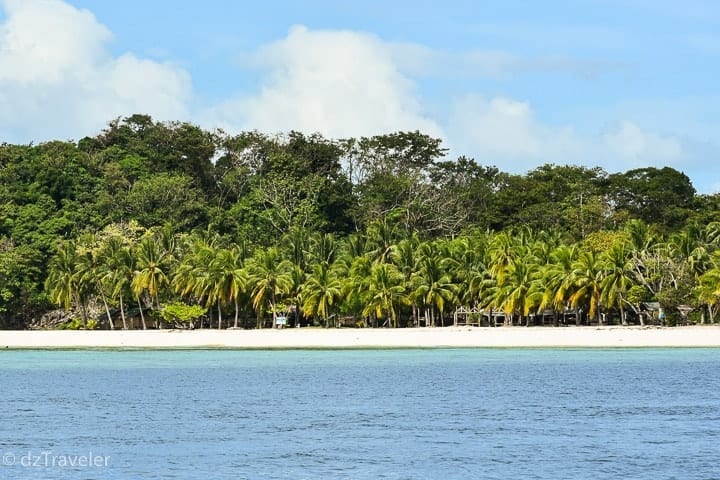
(58, 79)
(338, 83)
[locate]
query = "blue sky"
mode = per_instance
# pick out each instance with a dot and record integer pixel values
(619, 84)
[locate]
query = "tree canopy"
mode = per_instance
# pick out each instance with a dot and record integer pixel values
(385, 229)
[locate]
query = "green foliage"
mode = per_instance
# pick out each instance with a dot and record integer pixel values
(181, 312)
(77, 324)
(154, 215)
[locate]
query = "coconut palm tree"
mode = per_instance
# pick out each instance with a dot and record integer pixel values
(381, 236)
(433, 284)
(503, 254)
(65, 282)
(386, 293)
(220, 280)
(708, 289)
(271, 278)
(150, 275)
(96, 270)
(119, 271)
(618, 278)
(555, 278)
(519, 291)
(324, 247)
(356, 285)
(321, 291)
(237, 277)
(588, 275)
(403, 256)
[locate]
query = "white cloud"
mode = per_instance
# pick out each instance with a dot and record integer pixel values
(505, 132)
(58, 80)
(338, 83)
(631, 143)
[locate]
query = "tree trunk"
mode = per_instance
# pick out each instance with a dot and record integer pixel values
(142, 316)
(219, 316)
(236, 312)
(157, 302)
(83, 314)
(107, 310)
(274, 314)
(122, 313)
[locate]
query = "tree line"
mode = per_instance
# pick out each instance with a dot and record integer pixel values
(177, 222)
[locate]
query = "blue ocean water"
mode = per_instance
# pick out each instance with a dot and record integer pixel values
(361, 414)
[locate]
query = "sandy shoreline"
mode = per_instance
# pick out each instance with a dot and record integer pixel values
(697, 336)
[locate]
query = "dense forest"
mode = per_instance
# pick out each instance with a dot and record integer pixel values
(166, 223)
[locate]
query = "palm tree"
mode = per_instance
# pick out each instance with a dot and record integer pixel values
(555, 278)
(356, 286)
(354, 245)
(119, 271)
(93, 269)
(503, 253)
(692, 246)
(385, 293)
(519, 290)
(296, 243)
(467, 264)
(382, 235)
(216, 280)
(433, 284)
(272, 279)
(65, 282)
(295, 294)
(619, 278)
(321, 291)
(708, 290)
(150, 274)
(237, 277)
(324, 247)
(588, 275)
(403, 256)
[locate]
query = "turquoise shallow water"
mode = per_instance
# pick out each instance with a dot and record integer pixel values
(361, 414)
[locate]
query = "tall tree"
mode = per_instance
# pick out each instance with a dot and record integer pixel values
(272, 279)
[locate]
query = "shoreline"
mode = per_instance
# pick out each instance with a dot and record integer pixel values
(319, 338)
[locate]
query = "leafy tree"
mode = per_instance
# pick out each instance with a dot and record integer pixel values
(662, 196)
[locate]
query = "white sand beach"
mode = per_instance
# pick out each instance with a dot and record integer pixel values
(695, 336)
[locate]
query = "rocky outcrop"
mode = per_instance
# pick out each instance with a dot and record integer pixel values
(50, 320)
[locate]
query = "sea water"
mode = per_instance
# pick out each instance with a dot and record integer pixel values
(361, 414)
